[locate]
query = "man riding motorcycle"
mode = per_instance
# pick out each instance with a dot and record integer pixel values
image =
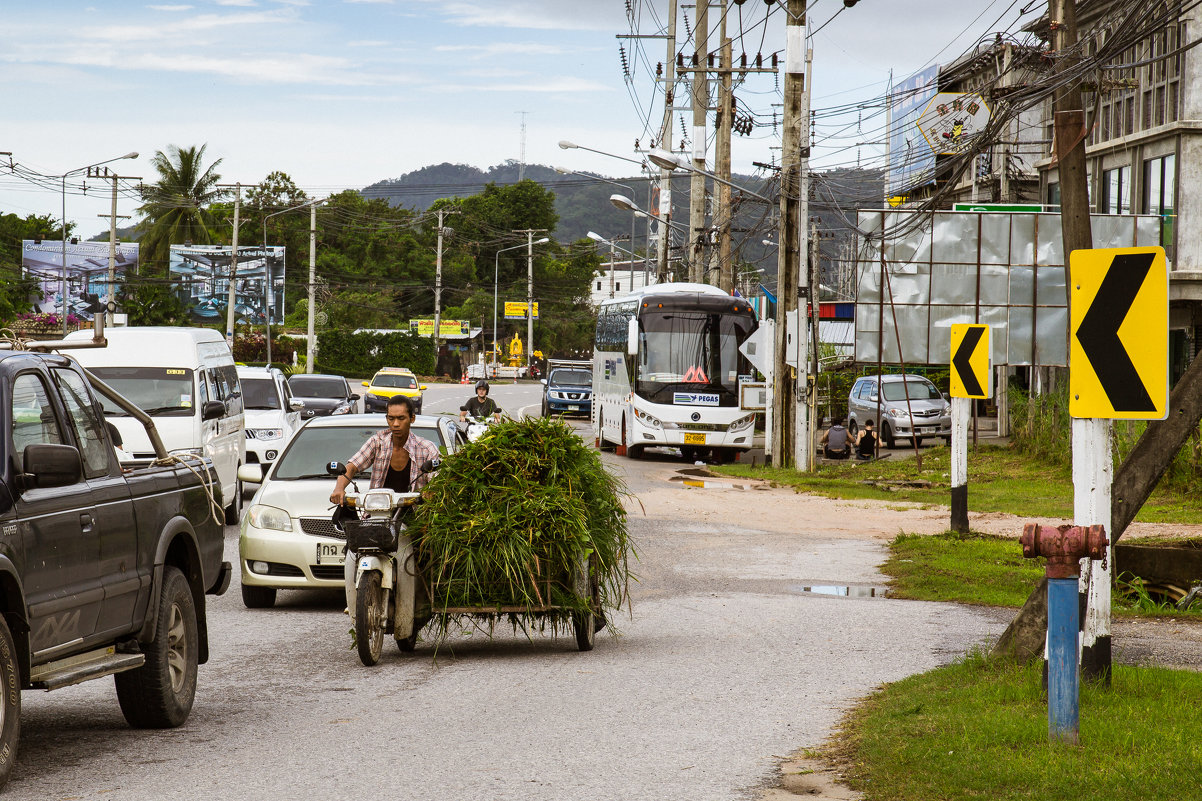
(480, 406)
(391, 455)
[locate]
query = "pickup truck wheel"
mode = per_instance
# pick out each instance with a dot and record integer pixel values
(234, 511)
(159, 694)
(10, 703)
(258, 597)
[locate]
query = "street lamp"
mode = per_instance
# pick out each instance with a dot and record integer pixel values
(669, 161)
(612, 245)
(495, 269)
(564, 144)
(63, 223)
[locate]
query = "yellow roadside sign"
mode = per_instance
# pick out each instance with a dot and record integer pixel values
(1118, 364)
(516, 310)
(970, 366)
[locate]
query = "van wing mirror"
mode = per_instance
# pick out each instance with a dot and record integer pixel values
(632, 337)
(212, 410)
(52, 465)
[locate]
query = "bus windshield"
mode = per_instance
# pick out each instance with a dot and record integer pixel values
(690, 351)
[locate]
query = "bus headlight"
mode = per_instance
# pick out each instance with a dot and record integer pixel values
(742, 422)
(647, 419)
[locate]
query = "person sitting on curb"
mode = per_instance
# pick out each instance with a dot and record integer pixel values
(836, 441)
(866, 442)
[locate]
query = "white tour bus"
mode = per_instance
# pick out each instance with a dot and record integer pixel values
(666, 368)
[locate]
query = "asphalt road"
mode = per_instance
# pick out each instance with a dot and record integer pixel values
(723, 667)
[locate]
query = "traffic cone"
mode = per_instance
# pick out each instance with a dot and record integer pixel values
(464, 379)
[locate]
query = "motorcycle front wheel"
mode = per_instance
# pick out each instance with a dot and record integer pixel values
(369, 619)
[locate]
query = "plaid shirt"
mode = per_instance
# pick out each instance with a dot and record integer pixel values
(376, 453)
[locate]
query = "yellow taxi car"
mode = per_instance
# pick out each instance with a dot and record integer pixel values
(391, 381)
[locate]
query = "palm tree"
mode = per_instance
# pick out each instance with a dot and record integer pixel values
(176, 209)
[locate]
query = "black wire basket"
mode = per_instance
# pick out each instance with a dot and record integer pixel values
(370, 534)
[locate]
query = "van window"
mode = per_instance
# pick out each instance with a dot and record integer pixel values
(202, 389)
(83, 419)
(226, 388)
(158, 391)
(918, 390)
(34, 421)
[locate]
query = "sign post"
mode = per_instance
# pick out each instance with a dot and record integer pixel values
(971, 377)
(1118, 369)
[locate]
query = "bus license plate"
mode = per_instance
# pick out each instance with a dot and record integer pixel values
(330, 554)
(694, 439)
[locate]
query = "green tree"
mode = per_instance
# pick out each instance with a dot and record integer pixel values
(176, 208)
(18, 292)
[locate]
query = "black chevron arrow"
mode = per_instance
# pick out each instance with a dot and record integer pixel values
(963, 353)
(1099, 333)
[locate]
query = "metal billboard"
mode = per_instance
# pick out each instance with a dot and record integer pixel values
(200, 275)
(1006, 270)
(85, 265)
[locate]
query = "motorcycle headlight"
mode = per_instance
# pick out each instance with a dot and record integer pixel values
(268, 433)
(269, 517)
(374, 501)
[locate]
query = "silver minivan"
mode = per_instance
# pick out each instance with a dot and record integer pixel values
(928, 413)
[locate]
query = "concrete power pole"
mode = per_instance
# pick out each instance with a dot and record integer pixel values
(701, 101)
(785, 397)
(311, 345)
(530, 232)
(233, 294)
(723, 213)
(1092, 438)
(665, 136)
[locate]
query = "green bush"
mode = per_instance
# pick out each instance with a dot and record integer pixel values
(359, 355)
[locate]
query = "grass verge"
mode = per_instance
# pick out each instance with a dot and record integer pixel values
(1000, 479)
(978, 730)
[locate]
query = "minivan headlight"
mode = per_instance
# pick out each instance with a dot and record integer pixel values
(897, 413)
(269, 517)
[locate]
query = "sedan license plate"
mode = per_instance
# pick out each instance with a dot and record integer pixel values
(328, 554)
(694, 439)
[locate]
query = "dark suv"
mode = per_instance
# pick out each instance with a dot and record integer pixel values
(568, 388)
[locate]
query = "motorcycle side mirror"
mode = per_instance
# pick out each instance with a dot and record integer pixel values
(431, 465)
(335, 468)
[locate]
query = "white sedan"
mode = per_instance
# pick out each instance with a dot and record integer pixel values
(287, 539)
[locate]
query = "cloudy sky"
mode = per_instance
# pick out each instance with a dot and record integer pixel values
(342, 93)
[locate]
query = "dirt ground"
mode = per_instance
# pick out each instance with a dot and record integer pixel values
(1166, 642)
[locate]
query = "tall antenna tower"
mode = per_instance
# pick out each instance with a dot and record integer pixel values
(522, 153)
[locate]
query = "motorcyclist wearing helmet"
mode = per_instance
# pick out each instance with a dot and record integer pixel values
(480, 406)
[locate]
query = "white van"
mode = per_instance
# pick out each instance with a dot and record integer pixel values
(272, 415)
(186, 380)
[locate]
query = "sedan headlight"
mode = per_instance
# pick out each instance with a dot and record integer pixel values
(267, 433)
(269, 517)
(742, 422)
(343, 408)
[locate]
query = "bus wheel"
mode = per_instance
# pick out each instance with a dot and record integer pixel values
(621, 449)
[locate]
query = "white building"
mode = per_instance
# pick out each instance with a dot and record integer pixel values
(623, 278)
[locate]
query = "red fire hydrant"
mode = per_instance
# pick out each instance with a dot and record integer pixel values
(1064, 547)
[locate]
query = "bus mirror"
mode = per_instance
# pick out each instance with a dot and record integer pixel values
(632, 337)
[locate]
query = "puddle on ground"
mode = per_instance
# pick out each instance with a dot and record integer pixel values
(706, 483)
(843, 591)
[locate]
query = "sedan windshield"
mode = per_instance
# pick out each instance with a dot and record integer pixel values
(314, 447)
(165, 391)
(393, 381)
(317, 387)
(918, 390)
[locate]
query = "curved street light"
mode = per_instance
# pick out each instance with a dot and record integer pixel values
(496, 268)
(63, 225)
(669, 161)
(596, 237)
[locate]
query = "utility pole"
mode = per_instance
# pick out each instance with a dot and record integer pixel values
(311, 346)
(701, 101)
(233, 297)
(1091, 438)
(785, 398)
(111, 294)
(438, 279)
(665, 135)
(723, 212)
(530, 232)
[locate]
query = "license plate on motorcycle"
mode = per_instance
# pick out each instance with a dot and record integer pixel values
(328, 554)
(694, 439)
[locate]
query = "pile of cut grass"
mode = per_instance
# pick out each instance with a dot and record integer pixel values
(509, 518)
